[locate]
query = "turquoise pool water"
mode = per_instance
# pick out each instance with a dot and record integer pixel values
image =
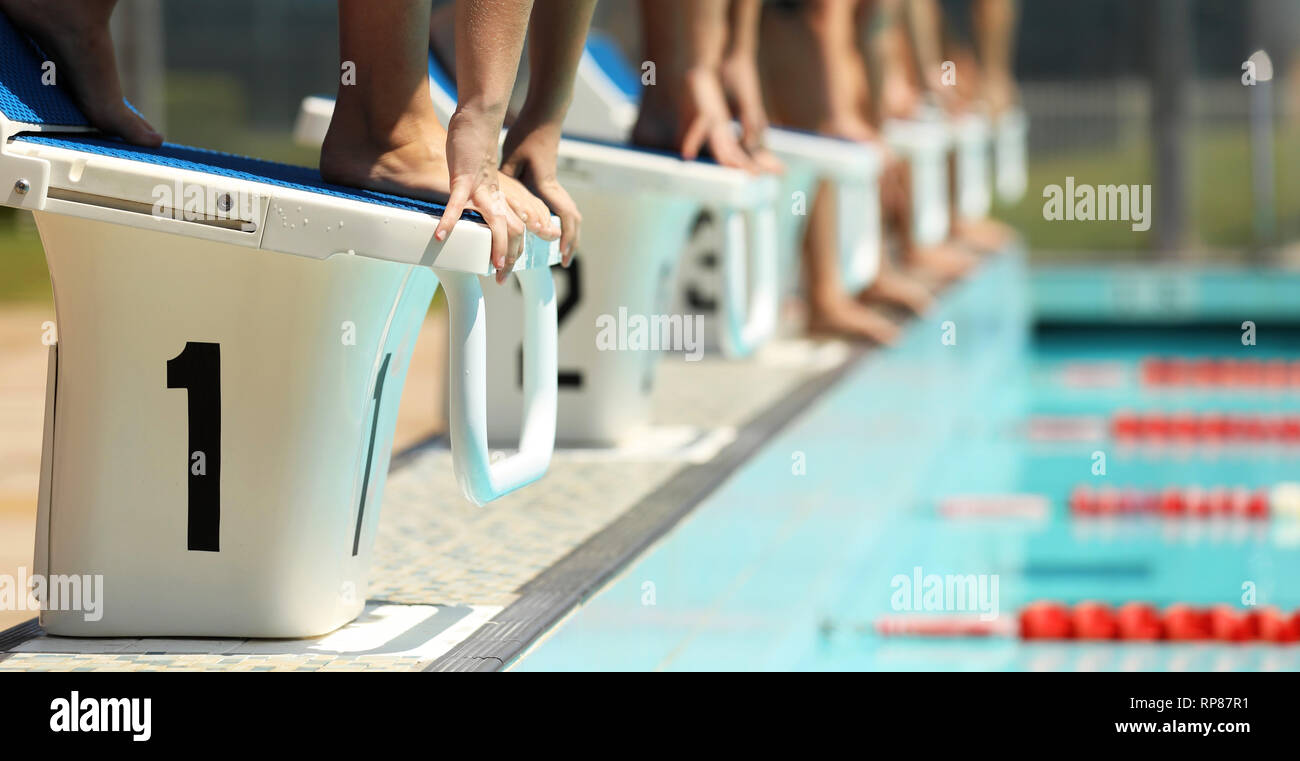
(783, 570)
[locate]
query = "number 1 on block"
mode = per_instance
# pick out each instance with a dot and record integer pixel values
(198, 370)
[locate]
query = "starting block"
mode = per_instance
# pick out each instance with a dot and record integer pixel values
(638, 207)
(925, 144)
(605, 105)
(972, 145)
(1011, 155)
(728, 261)
(233, 340)
(853, 169)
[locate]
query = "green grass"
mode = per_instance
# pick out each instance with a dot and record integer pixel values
(210, 111)
(1222, 213)
(25, 278)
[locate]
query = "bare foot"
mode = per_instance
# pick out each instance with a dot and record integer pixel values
(892, 286)
(899, 99)
(943, 262)
(846, 318)
(412, 162)
(984, 235)
(850, 127)
(409, 164)
(74, 33)
(766, 161)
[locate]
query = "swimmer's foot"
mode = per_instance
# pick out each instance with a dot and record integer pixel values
(407, 161)
(410, 160)
(75, 34)
(655, 129)
(892, 286)
(766, 161)
(943, 263)
(985, 235)
(846, 318)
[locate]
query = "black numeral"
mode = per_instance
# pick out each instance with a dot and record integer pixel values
(198, 370)
(701, 298)
(572, 294)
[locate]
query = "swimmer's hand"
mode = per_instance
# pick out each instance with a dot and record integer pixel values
(530, 153)
(706, 122)
(474, 183)
(740, 82)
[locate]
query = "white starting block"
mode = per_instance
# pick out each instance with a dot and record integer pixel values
(854, 170)
(925, 144)
(606, 91)
(972, 136)
(637, 209)
(1011, 155)
(728, 261)
(637, 206)
(233, 340)
(606, 94)
(744, 237)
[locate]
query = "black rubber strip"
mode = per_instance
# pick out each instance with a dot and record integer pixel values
(16, 635)
(550, 595)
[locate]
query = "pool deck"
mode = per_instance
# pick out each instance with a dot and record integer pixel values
(456, 587)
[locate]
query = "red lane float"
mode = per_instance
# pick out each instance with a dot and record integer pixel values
(1092, 621)
(1183, 427)
(1224, 373)
(1174, 502)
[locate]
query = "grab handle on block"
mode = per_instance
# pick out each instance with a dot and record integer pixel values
(481, 479)
(859, 234)
(749, 310)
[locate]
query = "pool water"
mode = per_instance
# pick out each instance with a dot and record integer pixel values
(787, 567)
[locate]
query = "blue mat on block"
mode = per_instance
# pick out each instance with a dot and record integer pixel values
(605, 52)
(23, 96)
(235, 167)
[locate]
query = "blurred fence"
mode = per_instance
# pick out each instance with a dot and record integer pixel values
(1114, 114)
(1100, 131)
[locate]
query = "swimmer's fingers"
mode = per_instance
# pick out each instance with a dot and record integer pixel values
(460, 190)
(508, 229)
(558, 199)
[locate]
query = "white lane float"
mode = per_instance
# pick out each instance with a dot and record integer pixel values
(233, 338)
